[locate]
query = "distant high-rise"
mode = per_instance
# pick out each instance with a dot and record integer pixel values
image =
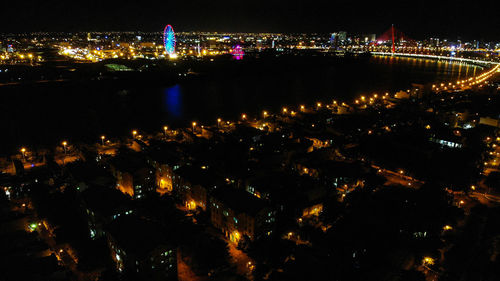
(333, 39)
(342, 36)
(338, 38)
(367, 38)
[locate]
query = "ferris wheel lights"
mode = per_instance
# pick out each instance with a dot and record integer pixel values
(169, 40)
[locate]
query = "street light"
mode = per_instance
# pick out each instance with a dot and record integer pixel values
(64, 143)
(427, 261)
(243, 116)
(165, 129)
(193, 127)
(265, 114)
(218, 122)
(102, 140)
(23, 150)
(134, 133)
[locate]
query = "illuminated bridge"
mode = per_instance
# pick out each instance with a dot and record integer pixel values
(392, 35)
(476, 61)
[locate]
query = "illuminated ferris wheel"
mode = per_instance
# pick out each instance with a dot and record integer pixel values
(169, 40)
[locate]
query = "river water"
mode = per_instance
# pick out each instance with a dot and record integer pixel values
(46, 113)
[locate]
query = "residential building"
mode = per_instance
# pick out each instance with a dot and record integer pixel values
(142, 250)
(239, 214)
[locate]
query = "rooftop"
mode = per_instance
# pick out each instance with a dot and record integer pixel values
(106, 201)
(239, 200)
(138, 236)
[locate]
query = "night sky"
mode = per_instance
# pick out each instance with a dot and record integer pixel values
(417, 19)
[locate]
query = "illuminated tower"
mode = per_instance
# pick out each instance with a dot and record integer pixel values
(392, 31)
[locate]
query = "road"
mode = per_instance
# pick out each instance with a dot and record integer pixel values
(398, 178)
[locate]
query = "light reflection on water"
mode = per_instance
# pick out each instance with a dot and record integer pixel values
(249, 86)
(254, 88)
(173, 101)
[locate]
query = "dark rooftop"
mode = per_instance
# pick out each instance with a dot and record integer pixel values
(138, 236)
(105, 201)
(239, 200)
(199, 176)
(129, 162)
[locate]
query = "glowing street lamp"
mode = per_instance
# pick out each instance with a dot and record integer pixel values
(102, 140)
(134, 133)
(302, 108)
(460, 203)
(64, 143)
(428, 261)
(235, 237)
(265, 114)
(243, 116)
(193, 126)
(23, 151)
(218, 122)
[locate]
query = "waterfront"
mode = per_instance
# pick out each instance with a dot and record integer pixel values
(44, 114)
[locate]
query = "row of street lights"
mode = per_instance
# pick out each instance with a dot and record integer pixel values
(23, 150)
(244, 117)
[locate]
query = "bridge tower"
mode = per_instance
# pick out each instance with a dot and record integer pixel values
(392, 35)
(392, 31)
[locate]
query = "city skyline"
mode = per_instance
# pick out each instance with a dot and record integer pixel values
(420, 20)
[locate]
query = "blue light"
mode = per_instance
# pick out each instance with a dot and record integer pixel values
(173, 101)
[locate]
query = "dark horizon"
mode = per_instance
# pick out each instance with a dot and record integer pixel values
(446, 19)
